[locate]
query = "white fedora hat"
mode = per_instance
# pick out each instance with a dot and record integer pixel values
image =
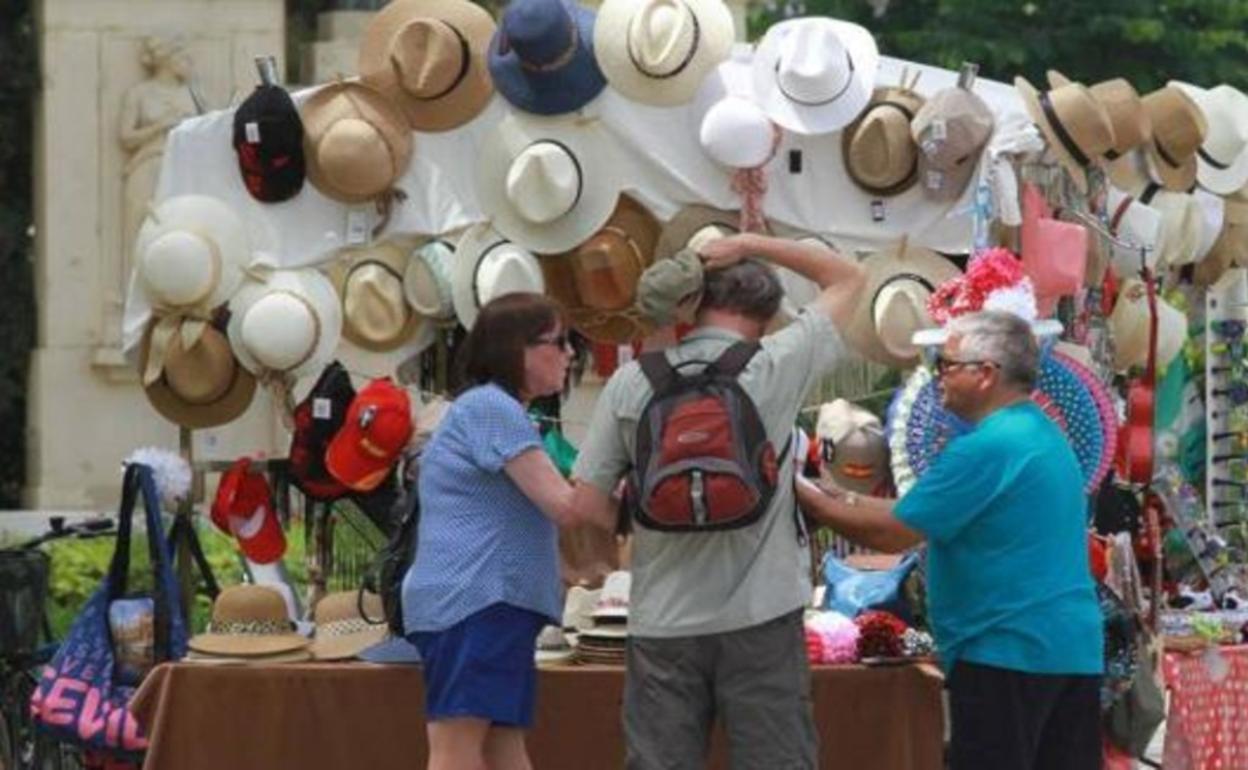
(1212, 212)
(1222, 160)
(287, 324)
(487, 265)
(427, 280)
(815, 75)
(190, 254)
(1181, 217)
(1139, 230)
(658, 51)
(547, 184)
(732, 128)
(1129, 326)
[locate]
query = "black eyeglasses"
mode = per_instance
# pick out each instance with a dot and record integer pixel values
(946, 365)
(560, 341)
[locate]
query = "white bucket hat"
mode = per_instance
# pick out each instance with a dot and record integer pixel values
(1129, 327)
(427, 280)
(1140, 226)
(190, 254)
(815, 75)
(487, 265)
(1222, 160)
(658, 51)
(289, 323)
(547, 184)
(732, 129)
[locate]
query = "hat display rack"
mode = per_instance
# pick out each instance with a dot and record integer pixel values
(562, 150)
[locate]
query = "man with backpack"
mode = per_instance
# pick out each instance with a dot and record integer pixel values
(702, 435)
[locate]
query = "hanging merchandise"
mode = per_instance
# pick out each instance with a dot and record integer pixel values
(356, 142)
(879, 153)
(378, 426)
(317, 419)
(243, 508)
(268, 138)
(1179, 128)
(542, 56)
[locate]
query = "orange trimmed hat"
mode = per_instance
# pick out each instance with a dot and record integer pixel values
(377, 428)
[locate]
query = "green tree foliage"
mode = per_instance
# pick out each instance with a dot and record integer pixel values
(1146, 41)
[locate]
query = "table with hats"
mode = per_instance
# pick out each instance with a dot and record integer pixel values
(327, 249)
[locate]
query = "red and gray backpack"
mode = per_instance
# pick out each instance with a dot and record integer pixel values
(703, 461)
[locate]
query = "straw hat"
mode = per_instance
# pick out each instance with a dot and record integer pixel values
(546, 184)
(487, 265)
(427, 280)
(879, 151)
(428, 57)
(1075, 125)
(693, 226)
(1125, 109)
(658, 51)
(1133, 223)
(1129, 328)
(1179, 128)
(190, 253)
(542, 56)
(248, 620)
(893, 302)
(1222, 160)
(814, 75)
(597, 281)
(356, 142)
(369, 282)
(951, 130)
(1182, 221)
(195, 382)
(287, 324)
(341, 631)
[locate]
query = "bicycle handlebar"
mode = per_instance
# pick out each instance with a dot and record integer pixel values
(58, 530)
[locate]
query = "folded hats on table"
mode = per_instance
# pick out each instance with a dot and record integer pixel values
(604, 642)
(249, 625)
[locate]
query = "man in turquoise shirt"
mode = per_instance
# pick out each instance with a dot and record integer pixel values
(1010, 593)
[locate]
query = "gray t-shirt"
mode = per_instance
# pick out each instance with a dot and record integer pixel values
(688, 584)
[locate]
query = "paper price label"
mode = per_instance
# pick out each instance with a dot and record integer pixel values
(252, 131)
(358, 226)
(322, 409)
(939, 131)
(934, 179)
(878, 212)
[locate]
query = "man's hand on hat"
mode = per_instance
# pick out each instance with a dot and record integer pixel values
(725, 252)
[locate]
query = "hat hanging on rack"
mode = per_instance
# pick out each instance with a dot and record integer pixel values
(1075, 125)
(356, 142)
(1222, 160)
(951, 131)
(542, 56)
(1179, 128)
(880, 154)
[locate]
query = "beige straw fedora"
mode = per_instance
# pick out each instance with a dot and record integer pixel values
(878, 148)
(369, 280)
(1075, 125)
(1125, 109)
(1179, 128)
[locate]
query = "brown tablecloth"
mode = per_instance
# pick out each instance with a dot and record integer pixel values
(311, 716)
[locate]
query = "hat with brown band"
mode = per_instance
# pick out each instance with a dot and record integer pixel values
(879, 152)
(369, 280)
(1222, 160)
(428, 57)
(1077, 127)
(248, 621)
(1231, 247)
(356, 142)
(347, 623)
(190, 374)
(1125, 109)
(1179, 128)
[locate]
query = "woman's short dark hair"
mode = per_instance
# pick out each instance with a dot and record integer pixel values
(749, 288)
(494, 349)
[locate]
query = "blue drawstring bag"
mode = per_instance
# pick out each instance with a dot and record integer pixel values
(84, 692)
(852, 592)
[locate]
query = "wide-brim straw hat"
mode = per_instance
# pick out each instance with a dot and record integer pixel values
(893, 302)
(200, 383)
(369, 281)
(190, 253)
(1129, 328)
(427, 279)
(879, 151)
(428, 57)
(1125, 109)
(542, 56)
(347, 623)
(1179, 128)
(488, 265)
(247, 621)
(547, 184)
(658, 51)
(356, 142)
(597, 281)
(289, 323)
(1075, 125)
(1222, 160)
(815, 75)
(683, 230)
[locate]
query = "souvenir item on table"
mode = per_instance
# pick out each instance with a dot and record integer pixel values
(427, 280)
(880, 155)
(189, 255)
(1222, 160)
(356, 142)
(611, 604)
(286, 324)
(542, 56)
(547, 185)
(377, 428)
(317, 419)
(1054, 253)
(831, 638)
(604, 641)
(919, 427)
(596, 283)
(244, 508)
(347, 623)
(951, 130)
(91, 660)
(268, 138)
(1179, 128)
(191, 376)
(880, 635)
(369, 282)
(1125, 109)
(553, 646)
(1129, 325)
(814, 75)
(900, 280)
(733, 130)
(249, 623)
(1075, 125)
(428, 58)
(852, 448)
(852, 591)
(658, 51)
(667, 284)
(1139, 230)
(487, 265)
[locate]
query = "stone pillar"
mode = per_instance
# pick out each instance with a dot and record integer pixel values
(114, 75)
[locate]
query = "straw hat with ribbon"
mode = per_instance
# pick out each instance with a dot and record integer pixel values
(1222, 160)
(1231, 248)
(427, 280)
(356, 142)
(1179, 128)
(190, 374)
(542, 56)
(1182, 221)
(658, 51)
(347, 623)
(248, 621)
(286, 324)
(1077, 127)
(487, 265)
(1129, 325)
(428, 57)
(799, 291)
(190, 254)
(1125, 110)
(369, 280)
(879, 151)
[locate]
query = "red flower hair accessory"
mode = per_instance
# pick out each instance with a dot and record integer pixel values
(994, 280)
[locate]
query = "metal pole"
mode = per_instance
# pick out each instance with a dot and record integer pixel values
(182, 555)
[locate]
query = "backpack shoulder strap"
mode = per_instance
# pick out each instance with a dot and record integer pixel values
(734, 359)
(658, 370)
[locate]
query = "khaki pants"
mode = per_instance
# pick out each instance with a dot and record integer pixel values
(756, 680)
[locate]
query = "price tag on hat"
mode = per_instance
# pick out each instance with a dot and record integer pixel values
(322, 408)
(252, 131)
(359, 225)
